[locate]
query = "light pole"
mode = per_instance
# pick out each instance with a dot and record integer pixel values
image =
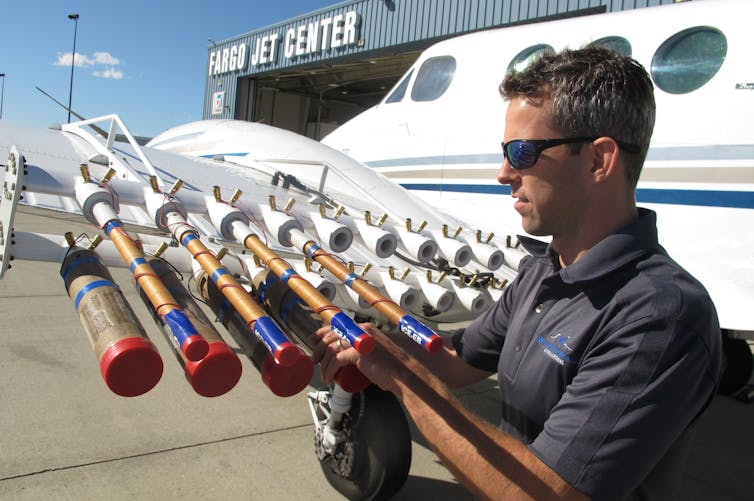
(2, 94)
(75, 18)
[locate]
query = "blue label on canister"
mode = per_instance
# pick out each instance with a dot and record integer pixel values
(78, 262)
(267, 330)
(90, 287)
(344, 326)
(180, 326)
(416, 330)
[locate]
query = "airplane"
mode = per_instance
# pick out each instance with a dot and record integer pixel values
(438, 131)
(281, 233)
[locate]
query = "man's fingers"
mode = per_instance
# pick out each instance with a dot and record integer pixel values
(332, 352)
(336, 358)
(322, 339)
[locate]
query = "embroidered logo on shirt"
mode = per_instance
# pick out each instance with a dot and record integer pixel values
(556, 347)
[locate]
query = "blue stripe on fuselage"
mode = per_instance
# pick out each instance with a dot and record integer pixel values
(706, 198)
(663, 153)
(213, 155)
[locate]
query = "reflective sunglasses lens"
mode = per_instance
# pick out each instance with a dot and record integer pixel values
(521, 155)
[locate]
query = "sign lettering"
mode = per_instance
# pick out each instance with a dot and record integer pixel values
(327, 33)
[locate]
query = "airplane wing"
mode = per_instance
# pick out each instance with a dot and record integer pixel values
(245, 209)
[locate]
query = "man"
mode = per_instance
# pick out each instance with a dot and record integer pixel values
(606, 350)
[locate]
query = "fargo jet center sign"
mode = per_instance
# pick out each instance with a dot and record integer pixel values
(307, 38)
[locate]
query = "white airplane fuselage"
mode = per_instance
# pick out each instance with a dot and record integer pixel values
(699, 173)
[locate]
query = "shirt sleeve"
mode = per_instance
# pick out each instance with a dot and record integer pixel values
(636, 393)
(481, 342)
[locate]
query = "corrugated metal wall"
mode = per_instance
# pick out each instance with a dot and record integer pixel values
(383, 26)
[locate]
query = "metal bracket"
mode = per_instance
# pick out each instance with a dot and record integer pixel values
(12, 188)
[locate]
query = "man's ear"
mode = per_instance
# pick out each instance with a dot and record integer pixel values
(605, 155)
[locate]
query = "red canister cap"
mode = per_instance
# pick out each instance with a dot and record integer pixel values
(131, 366)
(195, 348)
(286, 381)
(351, 379)
(217, 373)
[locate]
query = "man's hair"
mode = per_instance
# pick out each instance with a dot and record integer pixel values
(594, 92)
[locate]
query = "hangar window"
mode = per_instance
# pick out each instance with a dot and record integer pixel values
(527, 56)
(689, 59)
(617, 44)
(434, 78)
(400, 89)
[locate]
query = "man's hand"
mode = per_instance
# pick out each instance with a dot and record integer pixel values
(381, 365)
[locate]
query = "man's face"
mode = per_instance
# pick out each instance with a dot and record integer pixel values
(550, 194)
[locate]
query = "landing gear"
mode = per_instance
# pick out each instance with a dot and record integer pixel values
(362, 441)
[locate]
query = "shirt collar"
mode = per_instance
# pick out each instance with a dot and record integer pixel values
(631, 242)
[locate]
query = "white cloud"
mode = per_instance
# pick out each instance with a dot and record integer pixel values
(105, 58)
(81, 60)
(113, 73)
(97, 59)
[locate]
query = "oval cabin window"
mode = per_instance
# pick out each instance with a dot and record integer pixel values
(689, 59)
(614, 43)
(527, 56)
(433, 78)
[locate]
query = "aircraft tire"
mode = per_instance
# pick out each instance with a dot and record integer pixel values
(739, 364)
(377, 453)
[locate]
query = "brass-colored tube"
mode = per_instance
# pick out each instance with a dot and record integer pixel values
(219, 371)
(303, 289)
(162, 300)
(249, 310)
(282, 303)
(392, 311)
(193, 345)
(281, 380)
(301, 321)
(341, 323)
(284, 351)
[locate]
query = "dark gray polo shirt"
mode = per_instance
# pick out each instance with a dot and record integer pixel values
(603, 366)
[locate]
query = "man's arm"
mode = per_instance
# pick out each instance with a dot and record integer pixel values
(490, 463)
(445, 364)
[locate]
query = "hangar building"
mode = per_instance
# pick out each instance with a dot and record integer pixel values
(311, 73)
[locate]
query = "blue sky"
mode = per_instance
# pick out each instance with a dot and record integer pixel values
(145, 60)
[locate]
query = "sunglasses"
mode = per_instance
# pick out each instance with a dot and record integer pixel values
(523, 153)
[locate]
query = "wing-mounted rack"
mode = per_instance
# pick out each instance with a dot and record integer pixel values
(12, 187)
(105, 152)
(326, 220)
(265, 292)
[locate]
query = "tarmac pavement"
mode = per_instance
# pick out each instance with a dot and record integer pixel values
(66, 436)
